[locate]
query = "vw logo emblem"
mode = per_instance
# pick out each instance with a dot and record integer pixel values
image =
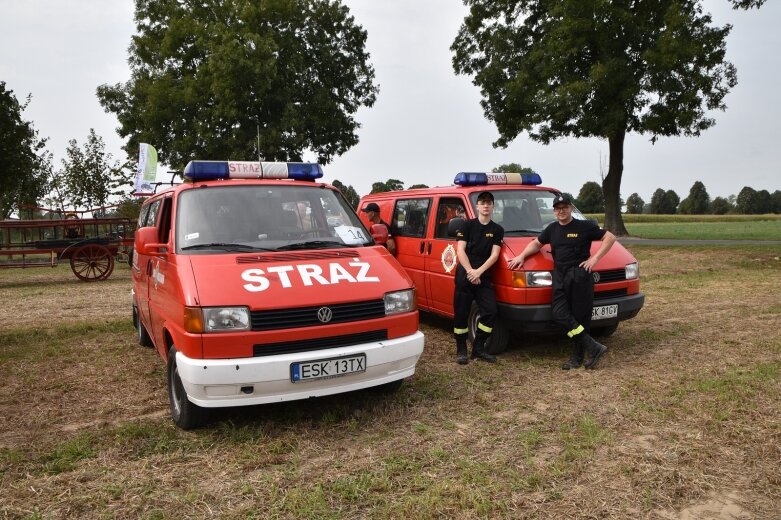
(595, 276)
(324, 314)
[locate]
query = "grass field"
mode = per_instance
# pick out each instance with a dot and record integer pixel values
(702, 227)
(682, 420)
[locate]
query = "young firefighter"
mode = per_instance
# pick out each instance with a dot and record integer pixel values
(478, 247)
(573, 285)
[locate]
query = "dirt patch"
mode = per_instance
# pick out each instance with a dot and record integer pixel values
(679, 421)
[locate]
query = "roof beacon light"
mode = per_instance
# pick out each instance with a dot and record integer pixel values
(481, 179)
(213, 170)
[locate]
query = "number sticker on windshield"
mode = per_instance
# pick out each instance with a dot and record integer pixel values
(351, 235)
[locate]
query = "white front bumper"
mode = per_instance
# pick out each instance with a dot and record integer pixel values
(214, 383)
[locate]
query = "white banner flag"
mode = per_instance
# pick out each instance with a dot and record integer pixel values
(146, 171)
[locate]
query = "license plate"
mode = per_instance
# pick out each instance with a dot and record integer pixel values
(327, 368)
(604, 312)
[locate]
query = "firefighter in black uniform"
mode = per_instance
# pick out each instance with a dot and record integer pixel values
(573, 285)
(478, 247)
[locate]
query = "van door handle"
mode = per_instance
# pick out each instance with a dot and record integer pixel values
(148, 267)
(422, 247)
(429, 248)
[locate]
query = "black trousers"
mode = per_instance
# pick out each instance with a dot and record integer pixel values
(466, 293)
(573, 298)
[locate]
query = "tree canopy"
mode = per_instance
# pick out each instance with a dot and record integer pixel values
(634, 204)
(22, 156)
(590, 198)
(664, 202)
(512, 168)
(698, 201)
(210, 80)
(348, 192)
(389, 185)
(90, 176)
(595, 69)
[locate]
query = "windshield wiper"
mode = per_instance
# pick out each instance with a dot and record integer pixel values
(313, 244)
(226, 246)
(532, 231)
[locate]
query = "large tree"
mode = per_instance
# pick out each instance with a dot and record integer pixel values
(590, 198)
(698, 201)
(212, 79)
(557, 68)
(634, 204)
(22, 156)
(90, 175)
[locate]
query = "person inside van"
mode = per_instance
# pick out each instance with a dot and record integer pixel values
(478, 248)
(372, 211)
(573, 285)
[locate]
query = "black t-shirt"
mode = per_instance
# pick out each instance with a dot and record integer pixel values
(480, 240)
(571, 244)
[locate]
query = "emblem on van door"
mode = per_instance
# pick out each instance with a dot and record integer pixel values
(449, 258)
(324, 314)
(595, 276)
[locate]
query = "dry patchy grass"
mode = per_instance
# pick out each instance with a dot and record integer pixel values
(680, 421)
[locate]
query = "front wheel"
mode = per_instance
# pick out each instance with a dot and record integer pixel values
(185, 414)
(500, 336)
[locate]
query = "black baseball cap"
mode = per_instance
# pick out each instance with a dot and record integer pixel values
(561, 198)
(485, 195)
(372, 206)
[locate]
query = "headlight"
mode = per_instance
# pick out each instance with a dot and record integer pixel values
(632, 271)
(401, 301)
(531, 279)
(225, 319)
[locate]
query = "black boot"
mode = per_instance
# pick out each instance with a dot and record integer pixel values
(478, 347)
(594, 349)
(461, 351)
(576, 358)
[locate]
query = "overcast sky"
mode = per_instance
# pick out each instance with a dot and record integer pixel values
(427, 123)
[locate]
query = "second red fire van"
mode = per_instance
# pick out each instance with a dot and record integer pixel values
(419, 221)
(258, 284)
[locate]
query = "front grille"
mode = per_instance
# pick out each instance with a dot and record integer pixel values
(612, 276)
(615, 293)
(309, 345)
(307, 316)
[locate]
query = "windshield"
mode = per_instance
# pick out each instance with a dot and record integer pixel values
(524, 212)
(243, 218)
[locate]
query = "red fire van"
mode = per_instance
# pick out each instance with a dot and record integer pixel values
(258, 284)
(419, 221)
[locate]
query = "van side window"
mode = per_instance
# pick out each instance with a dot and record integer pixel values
(151, 216)
(410, 217)
(448, 210)
(142, 215)
(164, 222)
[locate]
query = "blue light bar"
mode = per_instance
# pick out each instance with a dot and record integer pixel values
(484, 178)
(213, 170)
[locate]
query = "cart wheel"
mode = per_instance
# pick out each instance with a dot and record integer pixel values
(92, 262)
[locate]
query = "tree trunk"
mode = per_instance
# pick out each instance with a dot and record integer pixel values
(611, 186)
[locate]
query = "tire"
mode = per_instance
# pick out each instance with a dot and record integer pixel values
(185, 414)
(144, 339)
(604, 332)
(500, 337)
(92, 262)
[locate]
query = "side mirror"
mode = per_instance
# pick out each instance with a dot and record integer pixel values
(146, 241)
(380, 233)
(454, 225)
